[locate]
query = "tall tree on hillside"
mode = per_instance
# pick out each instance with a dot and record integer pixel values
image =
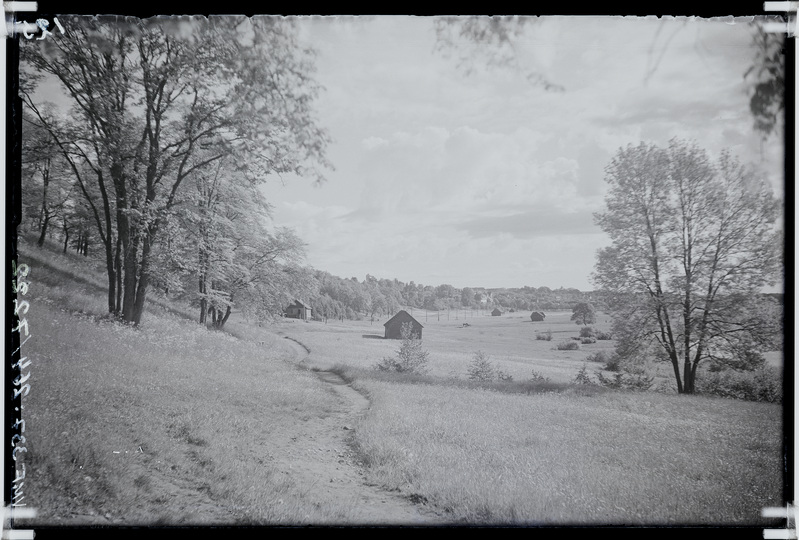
(158, 101)
(693, 242)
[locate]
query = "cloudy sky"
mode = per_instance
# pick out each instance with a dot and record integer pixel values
(486, 178)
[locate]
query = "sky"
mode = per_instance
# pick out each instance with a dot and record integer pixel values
(449, 169)
(485, 178)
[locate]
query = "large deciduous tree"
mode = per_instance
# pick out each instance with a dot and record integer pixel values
(693, 243)
(584, 313)
(159, 101)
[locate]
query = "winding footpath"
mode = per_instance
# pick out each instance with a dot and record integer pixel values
(325, 462)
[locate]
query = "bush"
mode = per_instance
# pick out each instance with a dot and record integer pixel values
(568, 346)
(586, 331)
(587, 340)
(544, 336)
(411, 358)
(762, 384)
(629, 381)
(582, 376)
(604, 336)
(480, 368)
(503, 376)
(537, 376)
(613, 363)
(599, 357)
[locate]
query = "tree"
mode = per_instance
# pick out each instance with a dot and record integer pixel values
(693, 243)
(767, 73)
(490, 42)
(411, 358)
(584, 313)
(157, 102)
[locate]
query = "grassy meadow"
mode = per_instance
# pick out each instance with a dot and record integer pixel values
(165, 424)
(563, 454)
(123, 424)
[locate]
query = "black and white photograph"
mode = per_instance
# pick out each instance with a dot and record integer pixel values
(398, 270)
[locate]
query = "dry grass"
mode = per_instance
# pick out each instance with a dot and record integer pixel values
(556, 453)
(169, 423)
(554, 458)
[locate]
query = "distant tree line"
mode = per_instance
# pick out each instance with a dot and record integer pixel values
(336, 297)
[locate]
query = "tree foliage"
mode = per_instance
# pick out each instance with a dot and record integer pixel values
(693, 243)
(482, 41)
(584, 313)
(767, 76)
(158, 103)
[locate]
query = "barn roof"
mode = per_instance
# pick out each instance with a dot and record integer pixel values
(298, 303)
(405, 315)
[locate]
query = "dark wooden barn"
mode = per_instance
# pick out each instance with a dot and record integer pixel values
(537, 316)
(298, 310)
(394, 325)
(496, 312)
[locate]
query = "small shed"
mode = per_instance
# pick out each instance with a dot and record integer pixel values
(394, 325)
(537, 316)
(496, 312)
(298, 310)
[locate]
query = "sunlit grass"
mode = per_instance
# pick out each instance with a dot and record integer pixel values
(615, 458)
(146, 425)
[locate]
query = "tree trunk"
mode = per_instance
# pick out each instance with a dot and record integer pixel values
(114, 304)
(130, 249)
(66, 236)
(219, 319)
(675, 363)
(113, 278)
(42, 236)
(141, 287)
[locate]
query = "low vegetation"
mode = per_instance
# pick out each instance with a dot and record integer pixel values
(490, 457)
(544, 336)
(410, 357)
(568, 346)
(548, 443)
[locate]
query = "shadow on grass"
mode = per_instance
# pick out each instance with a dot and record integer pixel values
(372, 336)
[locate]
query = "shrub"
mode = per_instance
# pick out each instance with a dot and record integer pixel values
(587, 340)
(480, 368)
(604, 336)
(544, 336)
(568, 346)
(411, 358)
(536, 376)
(599, 356)
(586, 331)
(504, 376)
(582, 376)
(762, 384)
(613, 363)
(630, 381)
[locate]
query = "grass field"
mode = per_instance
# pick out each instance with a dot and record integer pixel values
(125, 423)
(553, 457)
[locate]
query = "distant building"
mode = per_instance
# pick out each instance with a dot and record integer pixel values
(496, 312)
(537, 316)
(394, 325)
(298, 310)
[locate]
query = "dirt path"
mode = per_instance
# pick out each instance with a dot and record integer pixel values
(324, 460)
